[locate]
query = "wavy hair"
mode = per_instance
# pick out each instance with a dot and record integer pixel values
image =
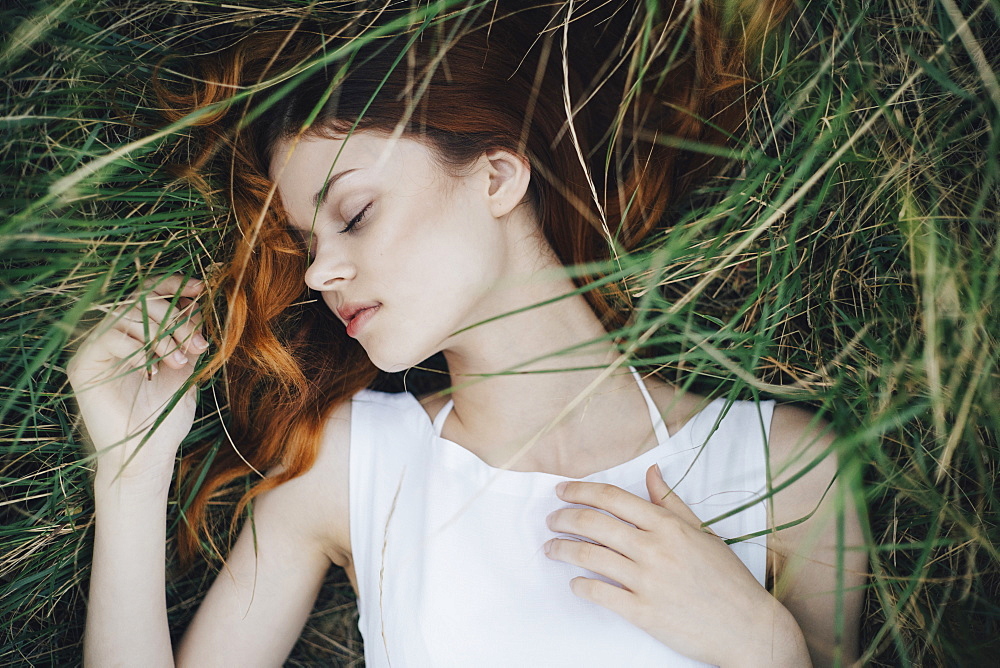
(601, 138)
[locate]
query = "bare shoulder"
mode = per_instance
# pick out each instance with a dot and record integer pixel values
(816, 553)
(318, 500)
(802, 462)
(255, 609)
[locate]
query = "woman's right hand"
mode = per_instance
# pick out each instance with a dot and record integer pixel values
(126, 374)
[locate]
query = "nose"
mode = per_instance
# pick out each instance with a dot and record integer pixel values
(328, 272)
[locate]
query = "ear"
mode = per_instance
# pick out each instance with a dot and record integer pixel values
(509, 176)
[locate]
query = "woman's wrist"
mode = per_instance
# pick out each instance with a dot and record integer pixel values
(111, 490)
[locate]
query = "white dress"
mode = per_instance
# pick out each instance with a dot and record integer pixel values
(448, 549)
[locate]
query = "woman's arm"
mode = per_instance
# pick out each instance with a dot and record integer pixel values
(300, 526)
(126, 375)
(256, 608)
(254, 612)
(126, 610)
(808, 558)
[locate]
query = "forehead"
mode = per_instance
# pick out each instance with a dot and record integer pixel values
(313, 159)
(302, 166)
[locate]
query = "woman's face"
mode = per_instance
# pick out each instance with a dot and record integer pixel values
(404, 252)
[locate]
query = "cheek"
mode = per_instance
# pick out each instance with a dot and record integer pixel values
(451, 267)
(433, 248)
(435, 286)
(435, 253)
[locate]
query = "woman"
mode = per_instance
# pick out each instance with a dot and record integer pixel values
(431, 195)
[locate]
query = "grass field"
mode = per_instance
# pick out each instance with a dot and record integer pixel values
(847, 259)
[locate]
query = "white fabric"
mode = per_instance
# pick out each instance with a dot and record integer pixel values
(448, 550)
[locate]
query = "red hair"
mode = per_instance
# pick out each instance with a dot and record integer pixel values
(600, 183)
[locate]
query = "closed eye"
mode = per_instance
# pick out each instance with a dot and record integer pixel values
(357, 219)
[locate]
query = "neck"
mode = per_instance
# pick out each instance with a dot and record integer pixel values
(533, 390)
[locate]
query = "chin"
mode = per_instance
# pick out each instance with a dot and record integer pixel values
(394, 368)
(393, 363)
(399, 351)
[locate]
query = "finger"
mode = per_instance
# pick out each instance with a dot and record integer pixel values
(596, 526)
(595, 558)
(115, 347)
(164, 347)
(623, 505)
(182, 323)
(173, 284)
(603, 594)
(129, 351)
(661, 494)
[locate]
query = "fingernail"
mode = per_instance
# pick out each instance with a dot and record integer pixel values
(199, 342)
(179, 357)
(547, 547)
(561, 487)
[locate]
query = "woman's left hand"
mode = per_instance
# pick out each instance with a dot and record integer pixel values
(680, 582)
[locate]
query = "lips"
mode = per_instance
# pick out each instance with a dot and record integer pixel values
(357, 315)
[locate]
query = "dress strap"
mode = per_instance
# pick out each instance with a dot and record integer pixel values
(442, 416)
(659, 426)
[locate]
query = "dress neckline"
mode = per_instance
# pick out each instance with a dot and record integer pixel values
(538, 483)
(659, 426)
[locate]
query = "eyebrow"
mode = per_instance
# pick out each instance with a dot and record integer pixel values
(320, 197)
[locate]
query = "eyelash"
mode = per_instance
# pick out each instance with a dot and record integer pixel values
(357, 219)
